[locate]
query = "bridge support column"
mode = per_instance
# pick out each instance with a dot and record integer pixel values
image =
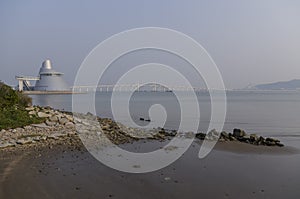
(21, 85)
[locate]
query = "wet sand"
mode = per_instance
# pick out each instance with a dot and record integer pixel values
(231, 170)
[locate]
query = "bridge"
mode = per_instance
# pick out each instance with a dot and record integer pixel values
(24, 82)
(133, 87)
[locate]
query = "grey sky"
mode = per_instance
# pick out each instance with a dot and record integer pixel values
(251, 41)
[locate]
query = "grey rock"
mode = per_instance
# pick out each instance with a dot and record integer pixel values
(43, 115)
(36, 138)
(54, 118)
(44, 137)
(71, 133)
(272, 140)
(70, 118)
(253, 137)
(212, 135)
(170, 148)
(48, 123)
(238, 133)
(167, 178)
(19, 129)
(224, 135)
(63, 120)
(24, 141)
(232, 138)
(52, 137)
(27, 128)
(6, 144)
(32, 113)
(279, 144)
(270, 143)
(43, 125)
(69, 124)
(56, 135)
(200, 136)
(105, 128)
(29, 108)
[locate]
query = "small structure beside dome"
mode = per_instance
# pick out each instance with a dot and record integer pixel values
(47, 80)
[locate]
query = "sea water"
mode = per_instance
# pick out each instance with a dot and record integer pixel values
(267, 113)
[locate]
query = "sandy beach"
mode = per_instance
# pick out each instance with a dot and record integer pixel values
(64, 169)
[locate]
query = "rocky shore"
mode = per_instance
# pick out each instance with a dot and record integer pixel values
(241, 136)
(61, 126)
(57, 125)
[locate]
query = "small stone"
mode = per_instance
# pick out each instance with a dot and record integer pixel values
(27, 127)
(253, 137)
(170, 148)
(23, 141)
(270, 143)
(272, 140)
(43, 125)
(32, 113)
(279, 144)
(224, 135)
(105, 128)
(48, 123)
(70, 118)
(167, 178)
(37, 138)
(31, 108)
(69, 124)
(200, 136)
(52, 137)
(6, 144)
(53, 118)
(231, 137)
(43, 115)
(245, 138)
(212, 135)
(63, 120)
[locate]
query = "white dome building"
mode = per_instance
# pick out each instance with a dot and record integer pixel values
(50, 80)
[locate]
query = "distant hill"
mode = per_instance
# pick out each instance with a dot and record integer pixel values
(284, 85)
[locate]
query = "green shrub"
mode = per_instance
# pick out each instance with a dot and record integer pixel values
(12, 109)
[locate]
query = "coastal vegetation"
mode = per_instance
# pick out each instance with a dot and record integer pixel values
(13, 111)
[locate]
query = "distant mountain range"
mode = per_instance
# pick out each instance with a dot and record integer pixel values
(284, 85)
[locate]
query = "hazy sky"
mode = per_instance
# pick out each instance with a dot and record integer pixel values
(252, 41)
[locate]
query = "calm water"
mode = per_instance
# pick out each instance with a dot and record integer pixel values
(264, 113)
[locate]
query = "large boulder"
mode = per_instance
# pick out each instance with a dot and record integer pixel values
(238, 133)
(200, 136)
